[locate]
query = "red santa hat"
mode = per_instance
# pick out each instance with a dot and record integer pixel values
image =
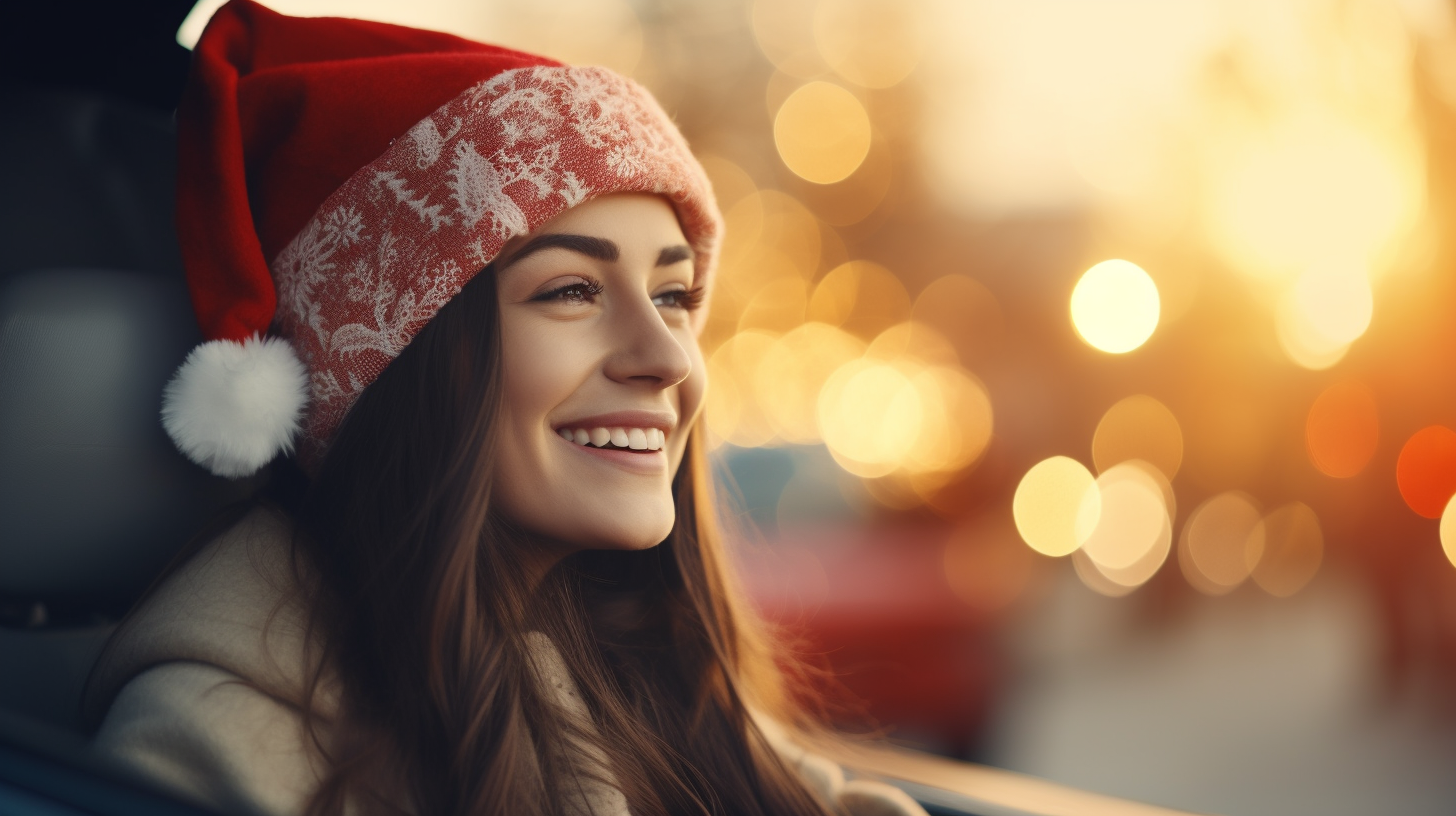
(340, 180)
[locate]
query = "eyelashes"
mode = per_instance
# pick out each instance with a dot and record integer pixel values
(584, 291)
(685, 299)
(587, 291)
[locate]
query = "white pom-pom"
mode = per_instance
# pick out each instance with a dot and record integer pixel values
(231, 407)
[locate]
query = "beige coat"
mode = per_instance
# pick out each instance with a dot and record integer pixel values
(178, 712)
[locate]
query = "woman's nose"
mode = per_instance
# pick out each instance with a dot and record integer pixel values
(643, 348)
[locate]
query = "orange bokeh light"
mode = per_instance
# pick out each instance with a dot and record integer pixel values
(1342, 430)
(1426, 470)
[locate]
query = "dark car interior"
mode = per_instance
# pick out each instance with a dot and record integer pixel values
(93, 317)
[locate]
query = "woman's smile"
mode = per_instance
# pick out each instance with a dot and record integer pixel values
(635, 441)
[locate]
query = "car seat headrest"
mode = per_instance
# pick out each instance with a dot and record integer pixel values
(93, 497)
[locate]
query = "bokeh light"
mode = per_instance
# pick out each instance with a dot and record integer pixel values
(915, 339)
(1138, 427)
(1327, 309)
(1289, 550)
(870, 413)
(1133, 533)
(734, 411)
(1335, 302)
(1056, 506)
(871, 43)
(1343, 429)
(1426, 470)
(784, 30)
(955, 421)
(1218, 542)
(1115, 306)
(778, 306)
(1094, 579)
(731, 183)
(793, 373)
(1448, 530)
(822, 132)
(861, 297)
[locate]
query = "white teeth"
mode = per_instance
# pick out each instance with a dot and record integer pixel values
(639, 439)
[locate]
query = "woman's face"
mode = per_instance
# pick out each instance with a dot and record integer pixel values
(603, 376)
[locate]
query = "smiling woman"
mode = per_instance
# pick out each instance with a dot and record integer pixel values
(485, 577)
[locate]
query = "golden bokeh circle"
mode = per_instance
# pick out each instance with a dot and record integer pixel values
(822, 132)
(1115, 306)
(1448, 531)
(1056, 506)
(1133, 523)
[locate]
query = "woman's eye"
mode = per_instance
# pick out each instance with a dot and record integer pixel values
(686, 299)
(577, 292)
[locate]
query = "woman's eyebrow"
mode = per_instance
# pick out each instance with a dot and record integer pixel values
(674, 254)
(590, 246)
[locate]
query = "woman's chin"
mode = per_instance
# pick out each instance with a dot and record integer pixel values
(634, 537)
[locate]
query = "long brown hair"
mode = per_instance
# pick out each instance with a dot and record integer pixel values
(418, 596)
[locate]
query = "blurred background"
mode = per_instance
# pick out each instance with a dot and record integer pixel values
(1083, 373)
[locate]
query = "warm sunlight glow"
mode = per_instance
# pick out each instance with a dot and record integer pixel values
(822, 132)
(1138, 427)
(1311, 189)
(1335, 302)
(1342, 429)
(1426, 470)
(1115, 306)
(1327, 309)
(1056, 506)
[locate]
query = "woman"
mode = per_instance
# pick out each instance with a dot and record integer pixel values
(494, 585)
